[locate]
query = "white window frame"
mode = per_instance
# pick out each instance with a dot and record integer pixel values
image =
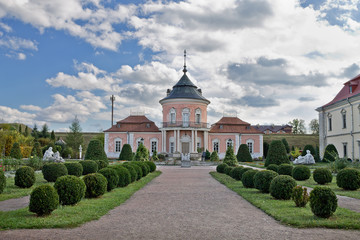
(229, 143)
(215, 145)
(172, 115)
(117, 140)
(154, 140)
(186, 122)
(198, 116)
(138, 141)
(250, 144)
(172, 147)
(345, 150)
(329, 122)
(343, 118)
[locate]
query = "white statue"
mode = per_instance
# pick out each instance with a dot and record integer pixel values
(50, 156)
(307, 159)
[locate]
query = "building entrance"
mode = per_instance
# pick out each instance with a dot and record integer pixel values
(185, 147)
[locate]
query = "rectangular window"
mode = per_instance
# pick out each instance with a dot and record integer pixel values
(344, 120)
(198, 145)
(118, 146)
(216, 146)
(172, 147)
(345, 149)
(197, 120)
(250, 146)
(330, 124)
(153, 146)
(172, 117)
(229, 143)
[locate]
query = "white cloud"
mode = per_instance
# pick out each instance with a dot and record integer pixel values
(12, 115)
(21, 56)
(16, 43)
(30, 108)
(6, 27)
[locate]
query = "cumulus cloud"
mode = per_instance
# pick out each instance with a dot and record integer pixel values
(12, 115)
(30, 107)
(15, 43)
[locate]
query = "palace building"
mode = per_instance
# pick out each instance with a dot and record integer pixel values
(184, 127)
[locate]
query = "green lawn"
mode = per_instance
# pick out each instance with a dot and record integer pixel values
(73, 216)
(12, 191)
(286, 212)
(258, 164)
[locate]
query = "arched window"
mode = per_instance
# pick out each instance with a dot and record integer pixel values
(138, 141)
(250, 144)
(343, 116)
(186, 117)
(198, 116)
(215, 145)
(117, 144)
(172, 115)
(329, 121)
(154, 144)
(172, 145)
(229, 143)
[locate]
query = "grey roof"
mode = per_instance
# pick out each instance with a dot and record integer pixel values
(184, 88)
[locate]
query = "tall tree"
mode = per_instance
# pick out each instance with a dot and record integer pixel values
(298, 126)
(45, 131)
(52, 136)
(26, 132)
(314, 126)
(35, 132)
(20, 128)
(74, 138)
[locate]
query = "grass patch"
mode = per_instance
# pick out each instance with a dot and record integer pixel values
(339, 191)
(73, 216)
(286, 212)
(258, 164)
(12, 191)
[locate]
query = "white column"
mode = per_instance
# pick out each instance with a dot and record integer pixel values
(237, 142)
(261, 145)
(192, 141)
(164, 142)
(175, 141)
(206, 140)
(178, 139)
(196, 140)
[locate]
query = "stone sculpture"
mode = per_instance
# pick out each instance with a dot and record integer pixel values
(307, 159)
(50, 156)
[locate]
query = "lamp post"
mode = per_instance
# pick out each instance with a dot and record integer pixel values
(112, 98)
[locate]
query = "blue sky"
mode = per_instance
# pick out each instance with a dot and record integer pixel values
(268, 61)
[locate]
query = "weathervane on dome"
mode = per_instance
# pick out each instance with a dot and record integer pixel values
(184, 70)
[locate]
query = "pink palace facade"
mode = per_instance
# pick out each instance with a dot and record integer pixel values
(184, 128)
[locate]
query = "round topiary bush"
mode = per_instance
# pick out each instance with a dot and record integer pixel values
(247, 178)
(144, 167)
(285, 169)
(243, 154)
(273, 167)
(101, 164)
(126, 153)
(132, 171)
(221, 167)
(263, 179)
(137, 169)
(2, 181)
(227, 170)
(111, 177)
(348, 179)
(301, 173)
(89, 166)
(242, 171)
(43, 200)
(235, 172)
(323, 202)
(96, 185)
(25, 177)
(322, 175)
(330, 153)
(74, 168)
(276, 154)
(281, 187)
(151, 165)
(123, 174)
(95, 151)
(52, 171)
(71, 189)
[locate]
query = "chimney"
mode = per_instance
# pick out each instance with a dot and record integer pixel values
(168, 92)
(199, 90)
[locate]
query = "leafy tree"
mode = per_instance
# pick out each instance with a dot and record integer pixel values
(52, 136)
(126, 153)
(265, 148)
(44, 133)
(214, 157)
(16, 151)
(154, 157)
(276, 154)
(95, 151)
(20, 128)
(286, 144)
(36, 150)
(35, 132)
(26, 132)
(243, 154)
(207, 155)
(298, 126)
(74, 138)
(314, 126)
(230, 158)
(101, 138)
(142, 154)
(309, 147)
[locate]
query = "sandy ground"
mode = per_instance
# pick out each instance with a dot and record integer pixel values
(184, 204)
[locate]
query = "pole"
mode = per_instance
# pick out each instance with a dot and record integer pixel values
(112, 98)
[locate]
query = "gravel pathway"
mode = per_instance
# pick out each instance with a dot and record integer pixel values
(183, 204)
(13, 204)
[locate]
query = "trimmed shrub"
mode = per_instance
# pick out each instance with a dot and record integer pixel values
(273, 167)
(281, 187)
(52, 171)
(322, 176)
(95, 151)
(151, 165)
(227, 170)
(276, 154)
(154, 156)
(323, 202)
(126, 153)
(112, 177)
(36, 150)
(101, 164)
(89, 166)
(207, 155)
(142, 153)
(214, 157)
(25, 177)
(300, 196)
(242, 171)
(286, 145)
(235, 173)
(285, 169)
(137, 169)
(96, 185)
(221, 167)
(330, 152)
(74, 168)
(71, 189)
(35, 163)
(247, 178)
(301, 173)
(243, 154)
(348, 179)
(263, 179)
(43, 200)
(132, 171)
(2, 181)
(144, 167)
(230, 158)
(317, 154)
(123, 174)
(16, 151)
(309, 147)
